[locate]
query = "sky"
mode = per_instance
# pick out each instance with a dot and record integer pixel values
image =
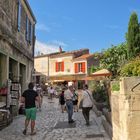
(76, 24)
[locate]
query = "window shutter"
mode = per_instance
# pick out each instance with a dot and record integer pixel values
(56, 66)
(76, 68)
(62, 68)
(83, 67)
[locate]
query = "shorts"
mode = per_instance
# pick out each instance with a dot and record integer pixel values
(30, 113)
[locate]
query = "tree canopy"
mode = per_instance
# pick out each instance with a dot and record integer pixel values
(133, 36)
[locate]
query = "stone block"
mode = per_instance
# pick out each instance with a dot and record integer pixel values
(126, 110)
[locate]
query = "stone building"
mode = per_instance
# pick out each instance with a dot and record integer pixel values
(17, 39)
(65, 66)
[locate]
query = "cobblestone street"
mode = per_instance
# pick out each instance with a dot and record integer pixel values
(51, 124)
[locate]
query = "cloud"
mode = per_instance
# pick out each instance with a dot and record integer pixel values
(57, 43)
(42, 27)
(47, 48)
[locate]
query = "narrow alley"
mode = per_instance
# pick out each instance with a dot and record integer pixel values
(51, 124)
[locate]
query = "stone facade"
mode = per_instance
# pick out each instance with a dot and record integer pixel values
(47, 65)
(126, 110)
(17, 38)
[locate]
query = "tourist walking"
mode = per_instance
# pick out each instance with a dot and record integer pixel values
(87, 103)
(51, 91)
(62, 101)
(40, 94)
(29, 97)
(75, 101)
(69, 104)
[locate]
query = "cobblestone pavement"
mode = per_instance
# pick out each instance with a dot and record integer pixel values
(51, 124)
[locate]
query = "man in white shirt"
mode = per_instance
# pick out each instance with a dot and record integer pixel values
(68, 95)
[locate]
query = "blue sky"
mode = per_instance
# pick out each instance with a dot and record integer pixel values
(75, 24)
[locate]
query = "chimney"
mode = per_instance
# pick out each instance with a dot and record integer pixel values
(60, 49)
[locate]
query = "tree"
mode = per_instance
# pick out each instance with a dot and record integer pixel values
(92, 69)
(114, 58)
(133, 36)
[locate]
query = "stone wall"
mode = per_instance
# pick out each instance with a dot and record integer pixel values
(9, 52)
(14, 46)
(9, 28)
(125, 106)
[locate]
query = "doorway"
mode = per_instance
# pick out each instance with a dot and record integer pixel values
(22, 77)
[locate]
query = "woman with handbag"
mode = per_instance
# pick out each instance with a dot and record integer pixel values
(87, 103)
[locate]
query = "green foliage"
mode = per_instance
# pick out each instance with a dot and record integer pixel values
(115, 86)
(92, 69)
(133, 36)
(100, 92)
(132, 68)
(114, 57)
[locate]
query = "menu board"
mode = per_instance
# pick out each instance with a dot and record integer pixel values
(13, 101)
(14, 94)
(15, 87)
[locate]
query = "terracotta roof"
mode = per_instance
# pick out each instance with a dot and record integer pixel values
(63, 53)
(85, 56)
(74, 52)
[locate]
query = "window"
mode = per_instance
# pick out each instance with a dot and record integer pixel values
(29, 30)
(31, 34)
(80, 67)
(19, 15)
(59, 66)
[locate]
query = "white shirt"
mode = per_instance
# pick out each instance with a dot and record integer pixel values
(87, 100)
(68, 94)
(51, 91)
